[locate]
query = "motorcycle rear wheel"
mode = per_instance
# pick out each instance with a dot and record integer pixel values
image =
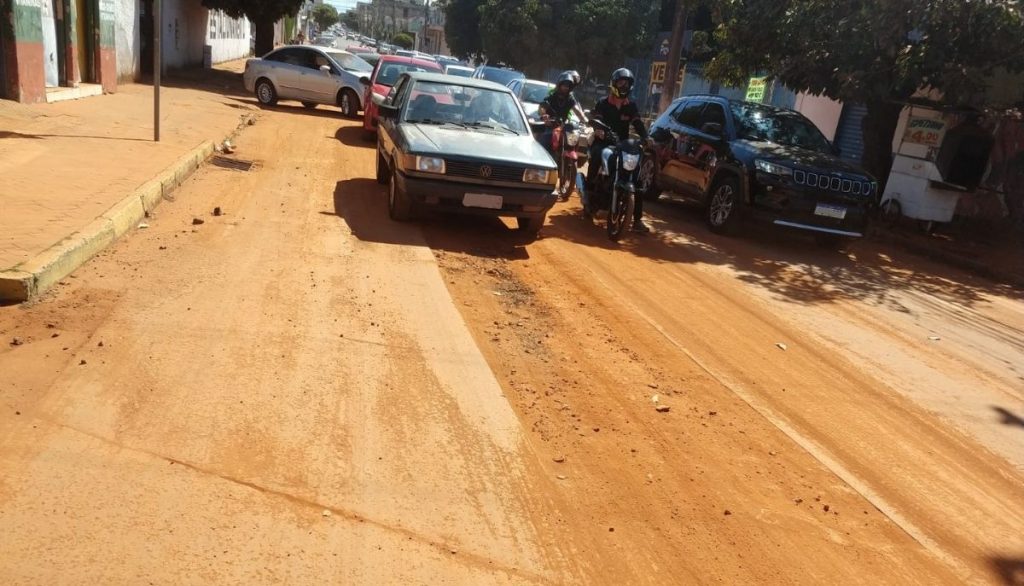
(620, 213)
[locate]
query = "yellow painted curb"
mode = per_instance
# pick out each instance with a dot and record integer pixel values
(25, 281)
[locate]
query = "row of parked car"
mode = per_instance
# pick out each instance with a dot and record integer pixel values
(464, 144)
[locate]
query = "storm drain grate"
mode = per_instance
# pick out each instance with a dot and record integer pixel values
(234, 164)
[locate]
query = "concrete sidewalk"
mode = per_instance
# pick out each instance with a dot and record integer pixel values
(64, 165)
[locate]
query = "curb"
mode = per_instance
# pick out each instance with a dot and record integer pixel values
(965, 264)
(29, 279)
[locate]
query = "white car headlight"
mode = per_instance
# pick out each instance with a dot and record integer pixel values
(573, 138)
(430, 164)
(536, 176)
(629, 162)
(772, 168)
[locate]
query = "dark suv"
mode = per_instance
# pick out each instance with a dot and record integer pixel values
(752, 159)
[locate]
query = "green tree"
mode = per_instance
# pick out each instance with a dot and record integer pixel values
(350, 20)
(537, 34)
(879, 53)
(462, 27)
(263, 13)
(324, 15)
(404, 40)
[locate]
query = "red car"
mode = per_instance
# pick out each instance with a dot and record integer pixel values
(384, 75)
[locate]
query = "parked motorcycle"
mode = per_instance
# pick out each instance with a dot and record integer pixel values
(615, 188)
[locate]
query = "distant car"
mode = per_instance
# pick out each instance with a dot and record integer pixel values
(324, 41)
(458, 70)
(384, 75)
(499, 75)
(446, 59)
(461, 145)
(311, 75)
(750, 159)
(356, 49)
(371, 58)
(530, 93)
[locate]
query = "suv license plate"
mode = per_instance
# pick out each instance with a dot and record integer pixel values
(482, 200)
(830, 211)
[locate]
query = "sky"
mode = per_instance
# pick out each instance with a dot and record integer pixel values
(342, 5)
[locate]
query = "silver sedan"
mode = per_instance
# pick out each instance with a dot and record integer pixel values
(311, 75)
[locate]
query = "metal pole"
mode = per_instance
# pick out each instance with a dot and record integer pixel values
(158, 24)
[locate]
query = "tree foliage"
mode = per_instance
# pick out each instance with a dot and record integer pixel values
(264, 13)
(536, 34)
(404, 40)
(324, 15)
(876, 52)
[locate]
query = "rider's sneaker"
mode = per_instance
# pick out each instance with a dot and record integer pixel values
(640, 227)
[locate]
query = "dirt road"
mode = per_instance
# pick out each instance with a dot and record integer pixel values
(302, 391)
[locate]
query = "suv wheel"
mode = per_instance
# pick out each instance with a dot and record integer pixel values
(723, 205)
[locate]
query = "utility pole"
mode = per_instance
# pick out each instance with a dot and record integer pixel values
(675, 51)
(158, 24)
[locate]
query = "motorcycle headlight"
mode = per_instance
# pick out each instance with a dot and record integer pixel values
(536, 176)
(430, 164)
(629, 162)
(771, 168)
(573, 138)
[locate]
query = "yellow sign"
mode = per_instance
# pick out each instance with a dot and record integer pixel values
(756, 89)
(924, 131)
(658, 73)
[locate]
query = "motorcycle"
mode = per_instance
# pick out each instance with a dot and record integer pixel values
(566, 139)
(615, 187)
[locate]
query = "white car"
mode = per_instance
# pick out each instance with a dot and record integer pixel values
(531, 92)
(459, 70)
(311, 75)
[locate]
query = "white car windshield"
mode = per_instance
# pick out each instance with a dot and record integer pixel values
(449, 103)
(350, 62)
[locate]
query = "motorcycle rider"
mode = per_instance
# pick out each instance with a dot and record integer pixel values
(618, 112)
(559, 104)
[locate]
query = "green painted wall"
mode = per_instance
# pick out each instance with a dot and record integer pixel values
(28, 24)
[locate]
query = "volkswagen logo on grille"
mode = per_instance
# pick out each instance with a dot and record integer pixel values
(485, 171)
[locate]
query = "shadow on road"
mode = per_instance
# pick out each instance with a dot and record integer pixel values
(1011, 571)
(785, 263)
(355, 136)
(1007, 417)
(362, 204)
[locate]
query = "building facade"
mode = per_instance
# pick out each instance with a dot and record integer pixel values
(52, 44)
(46, 45)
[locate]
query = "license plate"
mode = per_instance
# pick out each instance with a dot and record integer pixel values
(830, 211)
(482, 200)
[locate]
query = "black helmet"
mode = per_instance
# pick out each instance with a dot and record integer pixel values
(617, 75)
(567, 77)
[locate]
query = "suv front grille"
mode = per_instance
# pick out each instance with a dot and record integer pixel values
(832, 183)
(484, 171)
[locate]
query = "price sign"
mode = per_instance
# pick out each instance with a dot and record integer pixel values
(925, 131)
(755, 91)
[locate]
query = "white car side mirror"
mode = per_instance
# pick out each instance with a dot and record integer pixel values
(326, 69)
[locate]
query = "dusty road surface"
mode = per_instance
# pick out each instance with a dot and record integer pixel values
(302, 391)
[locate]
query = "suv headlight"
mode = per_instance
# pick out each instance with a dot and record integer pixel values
(772, 168)
(573, 138)
(429, 164)
(536, 176)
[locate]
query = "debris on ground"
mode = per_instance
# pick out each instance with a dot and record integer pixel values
(662, 408)
(559, 459)
(782, 346)
(143, 226)
(217, 211)
(198, 221)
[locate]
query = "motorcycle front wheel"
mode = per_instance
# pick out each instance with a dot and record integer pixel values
(620, 212)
